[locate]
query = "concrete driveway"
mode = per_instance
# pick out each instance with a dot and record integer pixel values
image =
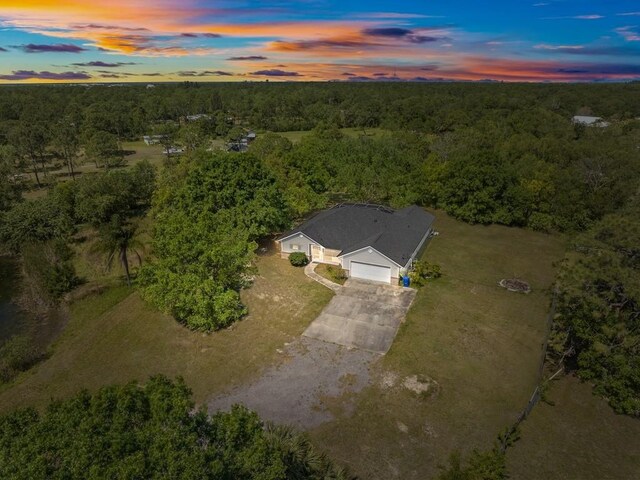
(364, 315)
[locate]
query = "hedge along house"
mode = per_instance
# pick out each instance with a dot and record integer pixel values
(370, 242)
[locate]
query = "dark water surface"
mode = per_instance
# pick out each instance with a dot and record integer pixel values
(13, 321)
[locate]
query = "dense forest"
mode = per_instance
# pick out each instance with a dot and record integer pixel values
(485, 153)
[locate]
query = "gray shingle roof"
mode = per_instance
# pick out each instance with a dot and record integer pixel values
(394, 233)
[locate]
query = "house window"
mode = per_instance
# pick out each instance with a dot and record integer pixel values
(294, 246)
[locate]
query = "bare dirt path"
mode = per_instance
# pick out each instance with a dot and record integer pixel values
(315, 379)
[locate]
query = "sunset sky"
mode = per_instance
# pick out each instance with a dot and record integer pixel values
(306, 40)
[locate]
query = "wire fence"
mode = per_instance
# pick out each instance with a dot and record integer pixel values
(506, 440)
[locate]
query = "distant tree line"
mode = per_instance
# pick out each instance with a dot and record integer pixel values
(128, 111)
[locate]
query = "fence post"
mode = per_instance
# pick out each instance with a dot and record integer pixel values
(537, 392)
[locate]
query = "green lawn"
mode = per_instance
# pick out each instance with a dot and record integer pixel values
(478, 342)
(141, 151)
(325, 270)
(115, 337)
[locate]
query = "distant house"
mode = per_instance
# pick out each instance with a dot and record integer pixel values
(199, 116)
(370, 242)
(239, 146)
(152, 139)
(242, 144)
(173, 151)
(589, 121)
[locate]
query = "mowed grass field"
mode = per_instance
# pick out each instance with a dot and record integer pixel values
(478, 344)
(115, 337)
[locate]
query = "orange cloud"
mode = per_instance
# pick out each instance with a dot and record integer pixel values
(369, 47)
(123, 26)
(129, 26)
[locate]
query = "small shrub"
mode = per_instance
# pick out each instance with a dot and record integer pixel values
(336, 274)
(480, 465)
(298, 259)
(422, 271)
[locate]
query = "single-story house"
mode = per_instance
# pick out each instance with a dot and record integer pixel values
(241, 144)
(370, 242)
(152, 139)
(589, 121)
(173, 151)
(197, 116)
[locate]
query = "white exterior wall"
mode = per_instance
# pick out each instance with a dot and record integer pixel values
(287, 245)
(303, 244)
(374, 258)
(331, 256)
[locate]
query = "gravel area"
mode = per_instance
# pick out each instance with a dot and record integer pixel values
(302, 389)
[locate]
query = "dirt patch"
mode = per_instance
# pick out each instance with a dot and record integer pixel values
(420, 384)
(402, 427)
(315, 382)
(388, 380)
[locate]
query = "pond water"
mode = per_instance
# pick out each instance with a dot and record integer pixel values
(12, 321)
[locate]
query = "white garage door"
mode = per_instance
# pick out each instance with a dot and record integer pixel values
(371, 272)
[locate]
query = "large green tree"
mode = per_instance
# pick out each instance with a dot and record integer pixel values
(38, 220)
(113, 203)
(103, 148)
(208, 214)
(597, 331)
(66, 141)
(31, 140)
(10, 188)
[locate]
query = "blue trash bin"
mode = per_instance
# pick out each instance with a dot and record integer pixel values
(406, 281)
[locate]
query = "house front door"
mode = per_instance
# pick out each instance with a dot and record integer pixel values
(317, 253)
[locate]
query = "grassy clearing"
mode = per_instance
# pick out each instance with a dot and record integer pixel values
(135, 153)
(479, 343)
(296, 135)
(115, 337)
(578, 437)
